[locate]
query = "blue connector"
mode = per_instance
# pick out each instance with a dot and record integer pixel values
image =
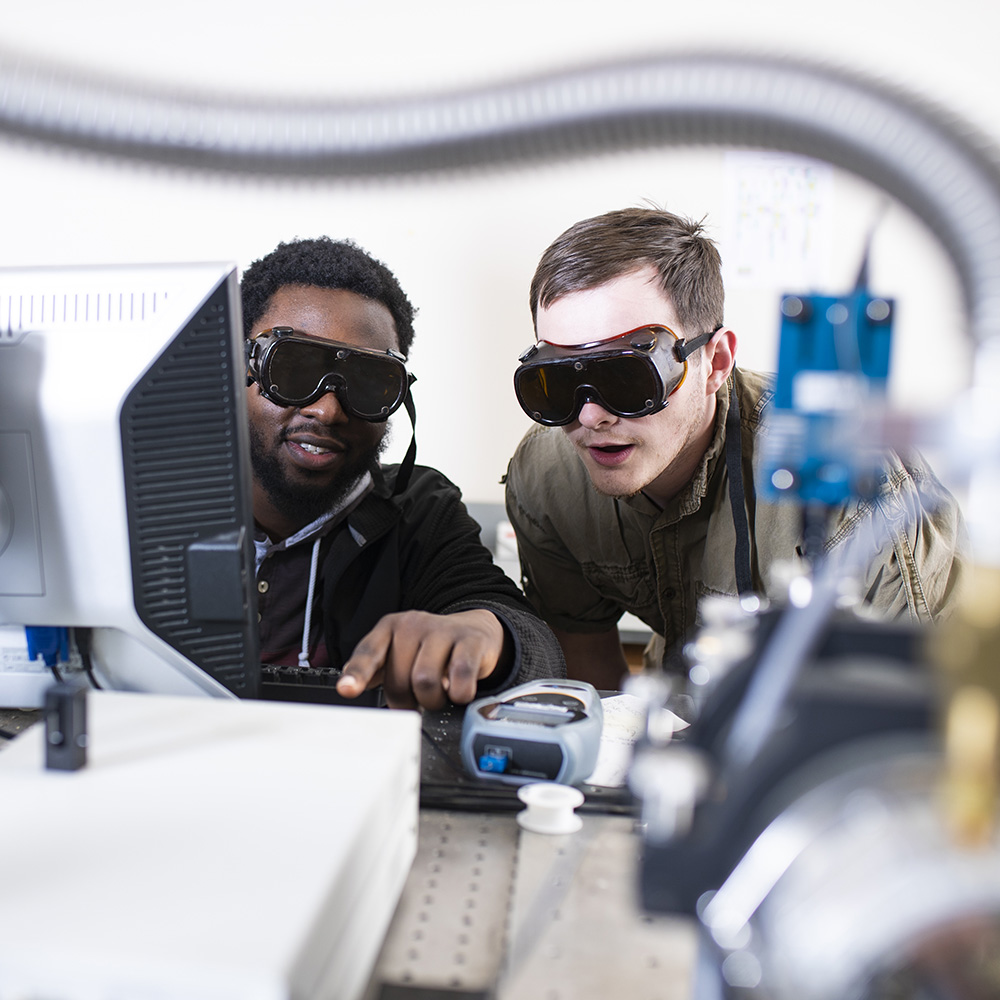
(50, 642)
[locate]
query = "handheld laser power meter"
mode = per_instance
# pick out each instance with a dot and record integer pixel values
(540, 731)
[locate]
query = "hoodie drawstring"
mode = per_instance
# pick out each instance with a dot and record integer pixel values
(307, 627)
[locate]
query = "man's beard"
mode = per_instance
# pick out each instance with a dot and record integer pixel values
(302, 502)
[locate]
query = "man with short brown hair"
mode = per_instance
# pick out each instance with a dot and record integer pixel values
(635, 488)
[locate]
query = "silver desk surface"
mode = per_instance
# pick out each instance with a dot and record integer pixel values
(490, 910)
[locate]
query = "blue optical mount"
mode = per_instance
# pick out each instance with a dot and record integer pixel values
(833, 368)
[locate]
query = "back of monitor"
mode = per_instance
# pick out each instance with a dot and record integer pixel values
(125, 505)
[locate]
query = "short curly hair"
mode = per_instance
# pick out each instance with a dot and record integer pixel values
(325, 263)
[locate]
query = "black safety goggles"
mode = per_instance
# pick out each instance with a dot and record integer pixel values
(630, 375)
(294, 369)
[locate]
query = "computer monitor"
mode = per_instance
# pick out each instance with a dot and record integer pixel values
(125, 500)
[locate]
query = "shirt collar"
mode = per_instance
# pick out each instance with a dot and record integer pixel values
(321, 526)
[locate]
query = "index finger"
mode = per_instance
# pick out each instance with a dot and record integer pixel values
(364, 667)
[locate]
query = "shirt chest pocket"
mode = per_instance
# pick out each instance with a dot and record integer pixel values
(629, 585)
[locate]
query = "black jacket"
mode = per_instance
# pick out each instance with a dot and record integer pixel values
(420, 550)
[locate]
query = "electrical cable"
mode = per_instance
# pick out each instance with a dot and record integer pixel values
(88, 668)
(82, 638)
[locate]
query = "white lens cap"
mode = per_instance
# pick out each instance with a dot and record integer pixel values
(550, 807)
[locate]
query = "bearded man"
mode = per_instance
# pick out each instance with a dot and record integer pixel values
(373, 585)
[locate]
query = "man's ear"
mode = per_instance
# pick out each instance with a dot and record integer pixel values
(720, 356)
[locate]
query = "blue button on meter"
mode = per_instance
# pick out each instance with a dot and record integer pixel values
(493, 762)
(547, 730)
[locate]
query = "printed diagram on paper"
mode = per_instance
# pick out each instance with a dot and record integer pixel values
(777, 220)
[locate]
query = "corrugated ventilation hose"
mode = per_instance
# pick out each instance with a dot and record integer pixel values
(929, 162)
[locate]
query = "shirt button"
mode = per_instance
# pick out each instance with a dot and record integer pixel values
(262, 586)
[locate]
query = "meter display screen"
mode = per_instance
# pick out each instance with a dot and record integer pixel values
(537, 709)
(526, 713)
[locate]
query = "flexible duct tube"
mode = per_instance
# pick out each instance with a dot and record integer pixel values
(930, 163)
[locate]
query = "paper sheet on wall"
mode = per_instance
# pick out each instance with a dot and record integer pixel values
(778, 215)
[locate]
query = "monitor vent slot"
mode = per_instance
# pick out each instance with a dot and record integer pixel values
(183, 485)
(35, 310)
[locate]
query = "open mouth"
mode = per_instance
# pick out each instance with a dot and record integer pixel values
(313, 449)
(610, 454)
(310, 455)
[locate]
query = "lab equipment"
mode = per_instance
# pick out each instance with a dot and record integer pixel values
(833, 366)
(548, 730)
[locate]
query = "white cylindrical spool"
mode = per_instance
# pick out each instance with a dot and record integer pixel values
(550, 807)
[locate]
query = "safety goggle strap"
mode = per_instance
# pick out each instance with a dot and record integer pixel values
(410, 458)
(683, 349)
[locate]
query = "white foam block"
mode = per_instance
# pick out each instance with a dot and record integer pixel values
(210, 849)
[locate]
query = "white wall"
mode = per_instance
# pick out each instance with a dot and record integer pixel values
(464, 245)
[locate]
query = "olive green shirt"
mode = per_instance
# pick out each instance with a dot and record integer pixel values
(587, 558)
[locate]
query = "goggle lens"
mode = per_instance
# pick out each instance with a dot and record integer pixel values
(296, 372)
(553, 392)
